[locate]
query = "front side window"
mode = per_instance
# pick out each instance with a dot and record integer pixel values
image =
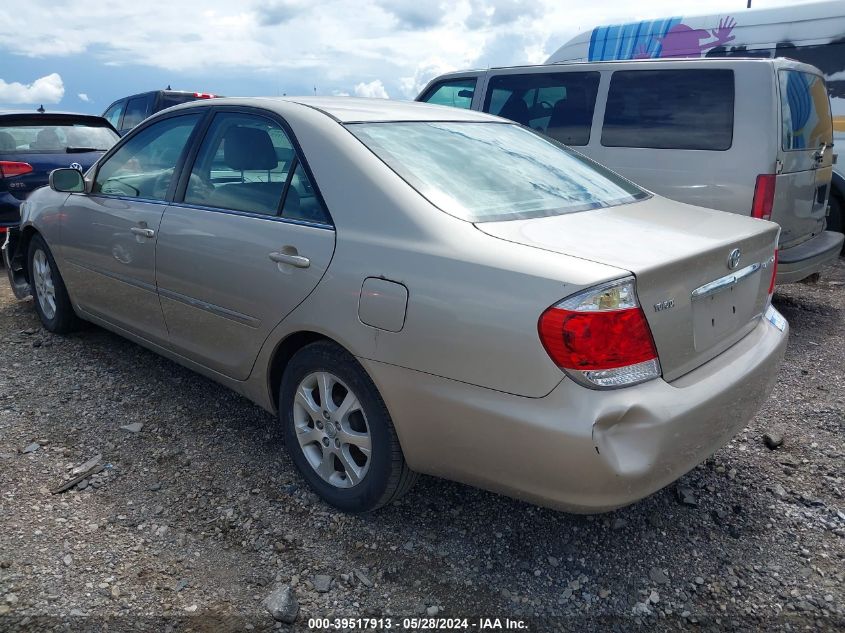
(670, 109)
(457, 93)
(559, 104)
(483, 172)
(805, 110)
(143, 167)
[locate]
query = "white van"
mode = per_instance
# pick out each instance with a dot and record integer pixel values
(748, 136)
(813, 33)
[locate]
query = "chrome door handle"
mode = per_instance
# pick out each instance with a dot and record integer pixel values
(137, 230)
(294, 260)
(819, 153)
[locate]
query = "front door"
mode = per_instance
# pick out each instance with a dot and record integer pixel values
(248, 242)
(109, 236)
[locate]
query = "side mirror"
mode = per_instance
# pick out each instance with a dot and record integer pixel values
(67, 180)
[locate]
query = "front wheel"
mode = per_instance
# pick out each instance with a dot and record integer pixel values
(338, 430)
(52, 302)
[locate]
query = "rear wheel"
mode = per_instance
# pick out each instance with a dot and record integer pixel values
(338, 430)
(52, 302)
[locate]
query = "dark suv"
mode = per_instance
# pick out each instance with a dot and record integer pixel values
(128, 112)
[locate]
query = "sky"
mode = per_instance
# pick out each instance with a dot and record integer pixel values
(81, 55)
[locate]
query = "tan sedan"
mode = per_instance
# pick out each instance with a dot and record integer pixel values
(418, 289)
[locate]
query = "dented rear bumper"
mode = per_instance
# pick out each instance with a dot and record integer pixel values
(578, 449)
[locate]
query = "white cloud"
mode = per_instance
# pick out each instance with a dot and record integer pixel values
(84, 97)
(373, 89)
(48, 89)
(333, 44)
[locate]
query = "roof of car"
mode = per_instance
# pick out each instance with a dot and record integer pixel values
(357, 110)
(46, 115)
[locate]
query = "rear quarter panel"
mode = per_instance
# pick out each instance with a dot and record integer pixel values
(473, 300)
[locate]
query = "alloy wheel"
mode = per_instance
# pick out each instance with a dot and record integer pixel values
(331, 427)
(45, 290)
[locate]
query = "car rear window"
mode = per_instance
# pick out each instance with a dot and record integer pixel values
(805, 110)
(483, 172)
(52, 136)
(670, 109)
(169, 100)
(558, 104)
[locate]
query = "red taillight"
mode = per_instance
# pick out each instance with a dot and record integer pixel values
(203, 95)
(10, 168)
(764, 197)
(596, 340)
(3, 229)
(601, 337)
(774, 273)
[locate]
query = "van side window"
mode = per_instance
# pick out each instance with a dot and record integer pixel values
(457, 93)
(805, 110)
(559, 104)
(670, 109)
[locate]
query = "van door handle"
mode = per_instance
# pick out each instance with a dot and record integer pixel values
(143, 232)
(819, 153)
(297, 261)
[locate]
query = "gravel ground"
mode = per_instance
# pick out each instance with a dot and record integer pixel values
(198, 514)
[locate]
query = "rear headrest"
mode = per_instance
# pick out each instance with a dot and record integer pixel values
(247, 148)
(7, 142)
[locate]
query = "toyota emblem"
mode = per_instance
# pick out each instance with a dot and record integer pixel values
(733, 258)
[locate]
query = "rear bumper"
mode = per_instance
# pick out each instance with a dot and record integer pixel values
(578, 449)
(799, 262)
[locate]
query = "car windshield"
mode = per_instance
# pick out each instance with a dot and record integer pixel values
(483, 172)
(34, 138)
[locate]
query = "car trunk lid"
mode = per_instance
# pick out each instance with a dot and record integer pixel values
(696, 304)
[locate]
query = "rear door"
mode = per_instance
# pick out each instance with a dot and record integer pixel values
(248, 242)
(803, 186)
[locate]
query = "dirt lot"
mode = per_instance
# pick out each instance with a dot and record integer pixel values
(198, 516)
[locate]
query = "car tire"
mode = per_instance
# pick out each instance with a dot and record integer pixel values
(328, 437)
(52, 302)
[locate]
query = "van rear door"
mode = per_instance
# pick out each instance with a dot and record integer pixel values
(806, 156)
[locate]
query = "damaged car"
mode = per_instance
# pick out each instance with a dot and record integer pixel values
(418, 289)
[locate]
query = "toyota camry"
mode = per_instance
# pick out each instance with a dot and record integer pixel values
(418, 289)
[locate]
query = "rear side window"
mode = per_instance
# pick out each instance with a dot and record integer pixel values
(670, 109)
(114, 113)
(247, 163)
(559, 105)
(137, 110)
(805, 111)
(457, 93)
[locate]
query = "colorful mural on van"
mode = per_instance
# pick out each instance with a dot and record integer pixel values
(657, 38)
